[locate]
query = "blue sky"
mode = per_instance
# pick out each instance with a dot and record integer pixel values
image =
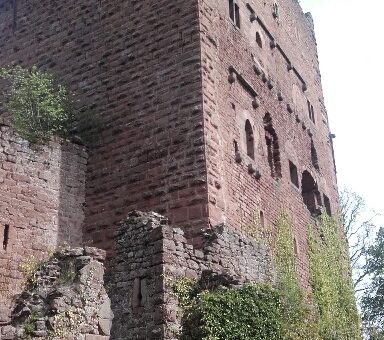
(349, 36)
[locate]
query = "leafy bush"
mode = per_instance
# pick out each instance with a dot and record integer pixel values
(249, 312)
(39, 107)
(333, 294)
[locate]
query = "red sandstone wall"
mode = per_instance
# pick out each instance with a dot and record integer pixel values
(234, 195)
(41, 202)
(136, 66)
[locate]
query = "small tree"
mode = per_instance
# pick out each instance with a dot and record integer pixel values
(367, 260)
(372, 302)
(39, 107)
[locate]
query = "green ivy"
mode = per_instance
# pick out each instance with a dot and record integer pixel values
(298, 320)
(282, 311)
(39, 107)
(249, 312)
(333, 294)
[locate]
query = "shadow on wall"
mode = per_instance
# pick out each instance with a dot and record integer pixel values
(41, 204)
(73, 163)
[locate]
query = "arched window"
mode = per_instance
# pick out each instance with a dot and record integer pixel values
(259, 40)
(272, 147)
(250, 140)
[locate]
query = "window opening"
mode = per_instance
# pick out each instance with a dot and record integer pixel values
(259, 40)
(236, 146)
(314, 158)
(311, 111)
(294, 174)
(250, 140)
(275, 10)
(234, 13)
(137, 293)
(232, 10)
(273, 148)
(295, 246)
(327, 205)
(237, 16)
(262, 219)
(309, 192)
(6, 237)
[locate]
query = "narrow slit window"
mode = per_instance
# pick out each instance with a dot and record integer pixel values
(275, 10)
(311, 111)
(294, 174)
(314, 157)
(273, 147)
(327, 205)
(295, 246)
(237, 16)
(232, 10)
(313, 114)
(235, 145)
(6, 237)
(250, 140)
(259, 41)
(262, 219)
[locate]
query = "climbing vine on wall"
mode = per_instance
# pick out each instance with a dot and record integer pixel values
(333, 294)
(279, 310)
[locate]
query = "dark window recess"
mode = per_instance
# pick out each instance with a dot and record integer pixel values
(314, 158)
(235, 145)
(137, 296)
(272, 147)
(250, 140)
(6, 237)
(275, 10)
(311, 111)
(258, 40)
(262, 219)
(310, 193)
(327, 205)
(237, 16)
(232, 10)
(234, 13)
(293, 173)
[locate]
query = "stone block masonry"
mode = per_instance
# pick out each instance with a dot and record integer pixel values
(208, 112)
(149, 253)
(41, 203)
(64, 298)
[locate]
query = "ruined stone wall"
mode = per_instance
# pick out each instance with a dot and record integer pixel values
(64, 298)
(150, 253)
(135, 66)
(41, 203)
(267, 65)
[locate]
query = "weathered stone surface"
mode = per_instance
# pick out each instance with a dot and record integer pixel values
(65, 299)
(143, 265)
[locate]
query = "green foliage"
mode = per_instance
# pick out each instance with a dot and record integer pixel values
(249, 312)
(333, 294)
(30, 324)
(67, 274)
(373, 298)
(39, 107)
(298, 323)
(257, 311)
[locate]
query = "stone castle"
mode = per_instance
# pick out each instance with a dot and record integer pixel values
(208, 112)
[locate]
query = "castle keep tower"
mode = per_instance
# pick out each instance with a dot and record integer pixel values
(207, 111)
